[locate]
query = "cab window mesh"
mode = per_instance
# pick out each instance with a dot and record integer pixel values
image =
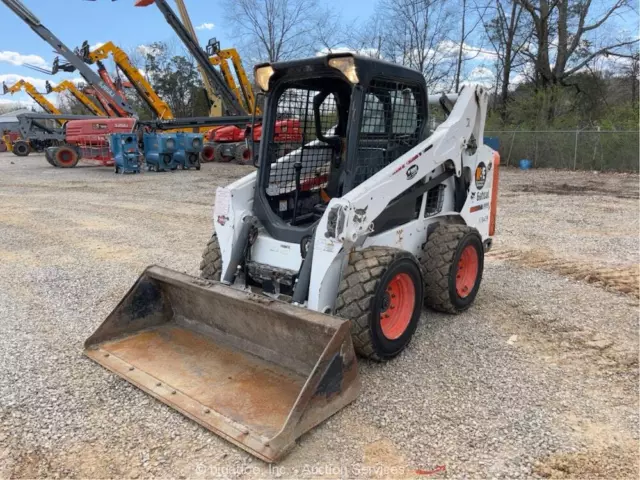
(295, 139)
(391, 126)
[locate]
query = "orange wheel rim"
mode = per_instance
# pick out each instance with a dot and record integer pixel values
(397, 306)
(467, 272)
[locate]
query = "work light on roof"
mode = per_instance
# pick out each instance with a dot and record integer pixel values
(263, 74)
(347, 66)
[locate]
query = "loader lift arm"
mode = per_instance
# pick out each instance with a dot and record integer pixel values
(66, 85)
(37, 97)
(454, 139)
(231, 103)
(141, 85)
(116, 101)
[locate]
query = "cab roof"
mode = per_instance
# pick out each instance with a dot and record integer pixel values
(366, 67)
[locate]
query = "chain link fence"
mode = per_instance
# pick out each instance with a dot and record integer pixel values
(571, 149)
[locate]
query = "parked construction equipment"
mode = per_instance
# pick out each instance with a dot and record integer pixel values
(139, 83)
(37, 132)
(21, 147)
(231, 105)
(221, 57)
(115, 101)
(88, 137)
(364, 221)
(68, 86)
(36, 96)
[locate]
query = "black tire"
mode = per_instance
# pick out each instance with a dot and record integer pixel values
(207, 154)
(363, 297)
(21, 148)
(48, 155)
(211, 264)
(243, 155)
(441, 261)
(66, 157)
(217, 155)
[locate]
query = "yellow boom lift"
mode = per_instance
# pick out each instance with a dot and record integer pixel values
(216, 101)
(141, 85)
(37, 97)
(66, 85)
(220, 58)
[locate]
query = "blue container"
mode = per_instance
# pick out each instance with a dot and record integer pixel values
(187, 154)
(525, 164)
(125, 152)
(158, 151)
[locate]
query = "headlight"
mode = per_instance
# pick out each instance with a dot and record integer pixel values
(262, 75)
(347, 66)
(171, 143)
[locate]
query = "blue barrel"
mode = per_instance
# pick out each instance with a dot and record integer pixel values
(525, 164)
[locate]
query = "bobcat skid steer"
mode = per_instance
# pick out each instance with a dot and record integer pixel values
(334, 245)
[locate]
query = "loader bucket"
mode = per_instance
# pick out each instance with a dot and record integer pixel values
(256, 371)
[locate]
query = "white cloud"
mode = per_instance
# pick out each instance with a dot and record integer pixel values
(11, 78)
(205, 26)
(15, 58)
(148, 50)
(481, 75)
(17, 103)
(95, 46)
(448, 47)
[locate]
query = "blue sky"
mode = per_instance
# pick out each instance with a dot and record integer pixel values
(74, 21)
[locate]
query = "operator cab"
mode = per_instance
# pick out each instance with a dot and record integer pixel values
(348, 117)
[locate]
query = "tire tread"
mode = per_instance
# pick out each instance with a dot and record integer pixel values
(437, 262)
(211, 263)
(357, 292)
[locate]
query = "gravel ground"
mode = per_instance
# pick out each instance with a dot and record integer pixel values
(540, 378)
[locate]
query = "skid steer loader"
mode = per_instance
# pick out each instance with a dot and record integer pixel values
(335, 245)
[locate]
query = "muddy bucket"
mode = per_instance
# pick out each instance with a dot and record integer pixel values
(258, 372)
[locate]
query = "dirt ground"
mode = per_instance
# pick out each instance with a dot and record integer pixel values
(538, 379)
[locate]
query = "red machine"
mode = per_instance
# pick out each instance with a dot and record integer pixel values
(91, 137)
(229, 142)
(7, 139)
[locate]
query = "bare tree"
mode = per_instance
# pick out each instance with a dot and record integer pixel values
(370, 37)
(416, 35)
(273, 30)
(562, 29)
(468, 25)
(331, 34)
(508, 32)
